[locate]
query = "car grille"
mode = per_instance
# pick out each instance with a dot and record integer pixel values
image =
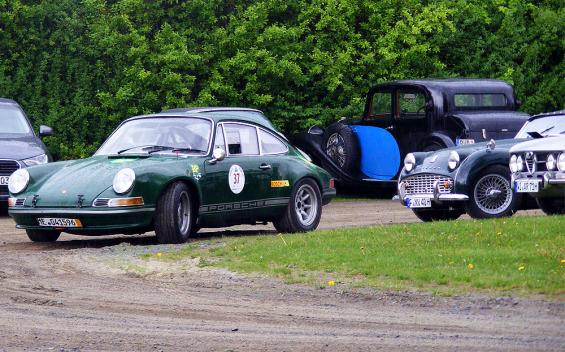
(424, 184)
(535, 162)
(6, 169)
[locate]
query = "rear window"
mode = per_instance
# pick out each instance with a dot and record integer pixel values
(480, 100)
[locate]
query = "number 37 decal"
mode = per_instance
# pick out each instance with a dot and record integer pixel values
(236, 179)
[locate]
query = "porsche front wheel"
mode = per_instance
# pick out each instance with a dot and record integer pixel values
(304, 208)
(174, 216)
(43, 235)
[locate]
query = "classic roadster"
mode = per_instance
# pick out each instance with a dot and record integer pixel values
(408, 116)
(174, 172)
(538, 168)
(475, 178)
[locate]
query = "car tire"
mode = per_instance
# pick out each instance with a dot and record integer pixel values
(304, 209)
(341, 146)
(428, 215)
(174, 218)
(552, 206)
(492, 195)
(43, 235)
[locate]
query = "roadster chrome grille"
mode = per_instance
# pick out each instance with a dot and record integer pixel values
(424, 184)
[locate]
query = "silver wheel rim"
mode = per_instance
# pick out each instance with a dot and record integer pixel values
(493, 194)
(335, 148)
(306, 205)
(183, 213)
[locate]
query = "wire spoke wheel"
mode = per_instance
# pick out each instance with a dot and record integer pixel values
(493, 194)
(335, 148)
(306, 205)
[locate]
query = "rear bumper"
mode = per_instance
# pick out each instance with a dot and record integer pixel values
(92, 220)
(328, 195)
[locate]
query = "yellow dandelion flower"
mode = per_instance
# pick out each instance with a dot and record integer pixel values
(521, 268)
(331, 283)
(159, 254)
(562, 261)
(471, 266)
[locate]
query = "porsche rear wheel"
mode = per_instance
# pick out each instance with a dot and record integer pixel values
(43, 235)
(428, 215)
(174, 219)
(304, 209)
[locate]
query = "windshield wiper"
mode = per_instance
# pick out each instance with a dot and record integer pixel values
(175, 150)
(149, 146)
(547, 129)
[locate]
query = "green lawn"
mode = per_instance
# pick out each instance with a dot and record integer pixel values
(519, 255)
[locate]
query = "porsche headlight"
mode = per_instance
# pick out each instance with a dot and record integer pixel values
(123, 181)
(18, 181)
(513, 165)
(561, 162)
(551, 162)
(519, 163)
(409, 162)
(36, 160)
(453, 160)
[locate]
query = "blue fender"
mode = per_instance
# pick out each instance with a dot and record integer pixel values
(380, 155)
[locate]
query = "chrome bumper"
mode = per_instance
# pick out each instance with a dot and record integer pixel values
(547, 179)
(436, 196)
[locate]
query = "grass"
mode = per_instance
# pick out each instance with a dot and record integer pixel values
(520, 255)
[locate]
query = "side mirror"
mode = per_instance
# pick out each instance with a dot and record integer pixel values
(45, 131)
(217, 155)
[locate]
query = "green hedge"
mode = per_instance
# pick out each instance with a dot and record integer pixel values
(83, 66)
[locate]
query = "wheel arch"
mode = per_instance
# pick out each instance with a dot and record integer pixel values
(436, 137)
(190, 183)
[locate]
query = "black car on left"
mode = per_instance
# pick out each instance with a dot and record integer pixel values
(19, 146)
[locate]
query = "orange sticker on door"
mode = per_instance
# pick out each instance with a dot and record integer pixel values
(279, 183)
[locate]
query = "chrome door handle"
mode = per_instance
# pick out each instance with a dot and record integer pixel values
(265, 167)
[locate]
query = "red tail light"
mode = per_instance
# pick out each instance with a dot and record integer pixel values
(332, 185)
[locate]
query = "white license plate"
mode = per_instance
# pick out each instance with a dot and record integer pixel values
(419, 202)
(463, 141)
(59, 222)
(526, 186)
(4, 180)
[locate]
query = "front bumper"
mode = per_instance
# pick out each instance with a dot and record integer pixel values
(93, 220)
(549, 181)
(439, 195)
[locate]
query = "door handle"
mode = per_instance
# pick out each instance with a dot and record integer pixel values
(265, 167)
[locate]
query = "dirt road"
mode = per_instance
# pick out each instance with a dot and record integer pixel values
(78, 294)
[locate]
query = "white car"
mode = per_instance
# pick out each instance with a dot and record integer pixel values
(538, 168)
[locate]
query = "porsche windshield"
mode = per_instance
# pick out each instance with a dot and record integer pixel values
(545, 126)
(12, 120)
(160, 135)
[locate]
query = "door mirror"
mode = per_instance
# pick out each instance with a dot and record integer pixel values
(217, 155)
(45, 131)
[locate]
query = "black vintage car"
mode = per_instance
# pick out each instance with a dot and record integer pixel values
(412, 115)
(19, 146)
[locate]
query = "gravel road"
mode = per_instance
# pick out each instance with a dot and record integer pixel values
(79, 294)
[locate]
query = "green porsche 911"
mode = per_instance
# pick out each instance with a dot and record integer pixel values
(175, 172)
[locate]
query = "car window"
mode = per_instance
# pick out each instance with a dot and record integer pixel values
(470, 101)
(12, 120)
(271, 144)
(159, 134)
(241, 139)
(220, 142)
(381, 105)
(411, 104)
(548, 125)
(254, 116)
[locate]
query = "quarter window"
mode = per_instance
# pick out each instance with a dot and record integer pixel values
(219, 141)
(241, 139)
(271, 144)
(480, 100)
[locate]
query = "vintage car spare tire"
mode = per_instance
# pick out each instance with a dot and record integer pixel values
(341, 145)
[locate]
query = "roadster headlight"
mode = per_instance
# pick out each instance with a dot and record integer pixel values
(18, 181)
(551, 162)
(36, 160)
(453, 160)
(519, 163)
(512, 164)
(561, 162)
(409, 162)
(123, 181)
